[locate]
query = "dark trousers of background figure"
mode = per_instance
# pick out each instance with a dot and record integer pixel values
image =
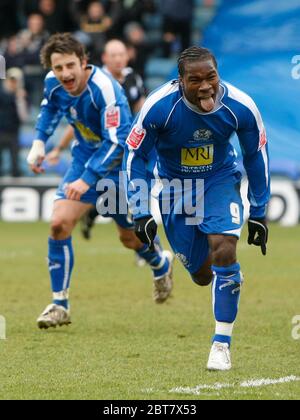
(181, 29)
(10, 141)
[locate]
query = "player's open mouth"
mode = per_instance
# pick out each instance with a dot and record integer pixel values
(207, 103)
(69, 84)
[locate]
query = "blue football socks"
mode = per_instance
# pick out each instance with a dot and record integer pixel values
(157, 261)
(226, 292)
(61, 262)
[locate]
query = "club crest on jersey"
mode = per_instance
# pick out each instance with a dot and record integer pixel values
(112, 118)
(202, 135)
(262, 140)
(136, 137)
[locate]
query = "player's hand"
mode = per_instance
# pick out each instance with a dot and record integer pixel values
(146, 230)
(36, 157)
(52, 158)
(258, 234)
(75, 190)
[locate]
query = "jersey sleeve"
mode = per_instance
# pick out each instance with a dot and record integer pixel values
(253, 140)
(139, 145)
(50, 115)
(115, 121)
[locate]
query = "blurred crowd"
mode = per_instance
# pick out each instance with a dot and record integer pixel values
(25, 26)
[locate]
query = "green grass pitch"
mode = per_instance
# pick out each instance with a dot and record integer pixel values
(123, 346)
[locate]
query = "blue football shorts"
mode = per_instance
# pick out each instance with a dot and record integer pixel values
(222, 214)
(92, 195)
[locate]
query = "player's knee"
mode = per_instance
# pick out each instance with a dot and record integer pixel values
(61, 227)
(203, 278)
(129, 240)
(224, 254)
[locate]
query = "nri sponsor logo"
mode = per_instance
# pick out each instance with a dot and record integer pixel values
(2, 67)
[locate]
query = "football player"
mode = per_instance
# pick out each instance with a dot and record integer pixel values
(189, 122)
(94, 105)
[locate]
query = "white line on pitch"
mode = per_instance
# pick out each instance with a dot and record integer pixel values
(257, 383)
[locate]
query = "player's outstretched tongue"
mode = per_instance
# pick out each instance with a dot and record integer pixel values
(207, 104)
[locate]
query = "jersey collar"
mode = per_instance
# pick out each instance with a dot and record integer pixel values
(218, 105)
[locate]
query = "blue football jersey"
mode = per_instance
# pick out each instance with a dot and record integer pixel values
(195, 145)
(100, 117)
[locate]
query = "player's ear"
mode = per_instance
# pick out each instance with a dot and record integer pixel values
(84, 63)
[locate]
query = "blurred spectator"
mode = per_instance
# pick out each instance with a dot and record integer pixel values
(13, 52)
(114, 9)
(13, 111)
(32, 40)
(28, 7)
(8, 18)
(33, 37)
(177, 22)
(135, 10)
(139, 48)
(57, 15)
(115, 60)
(95, 23)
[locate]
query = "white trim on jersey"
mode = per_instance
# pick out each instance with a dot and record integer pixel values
(107, 90)
(50, 75)
(173, 109)
(162, 93)
(92, 98)
(110, 152)
(241, 97)
(53, 90)
(106, 87)
(235, 232)
(266, 161)
(129, 163)
(244, 99)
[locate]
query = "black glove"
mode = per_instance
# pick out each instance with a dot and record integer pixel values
(146, 230)
(258, 234)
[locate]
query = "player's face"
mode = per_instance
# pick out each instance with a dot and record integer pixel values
(200, 84)
(116, 59)
(70, 71)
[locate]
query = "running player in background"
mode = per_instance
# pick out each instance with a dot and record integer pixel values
(94, 104)
(115, 60)
(189, 123)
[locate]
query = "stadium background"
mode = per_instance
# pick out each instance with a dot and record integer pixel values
(120, 345)
(256, 43)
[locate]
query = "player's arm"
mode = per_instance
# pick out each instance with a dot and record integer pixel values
(139, 145)
(115, 120)
(110, 153)
(253, 141)
(48, 120)
(53, 157)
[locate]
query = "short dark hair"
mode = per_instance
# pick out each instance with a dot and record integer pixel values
(63, 43)
(194, 54)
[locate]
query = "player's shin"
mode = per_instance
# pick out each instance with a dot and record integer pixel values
(61, 261)
(226, 295)
(157, 261)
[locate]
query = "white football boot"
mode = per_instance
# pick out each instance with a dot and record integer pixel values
(163, 287)
(53, 316)
(219, 358)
